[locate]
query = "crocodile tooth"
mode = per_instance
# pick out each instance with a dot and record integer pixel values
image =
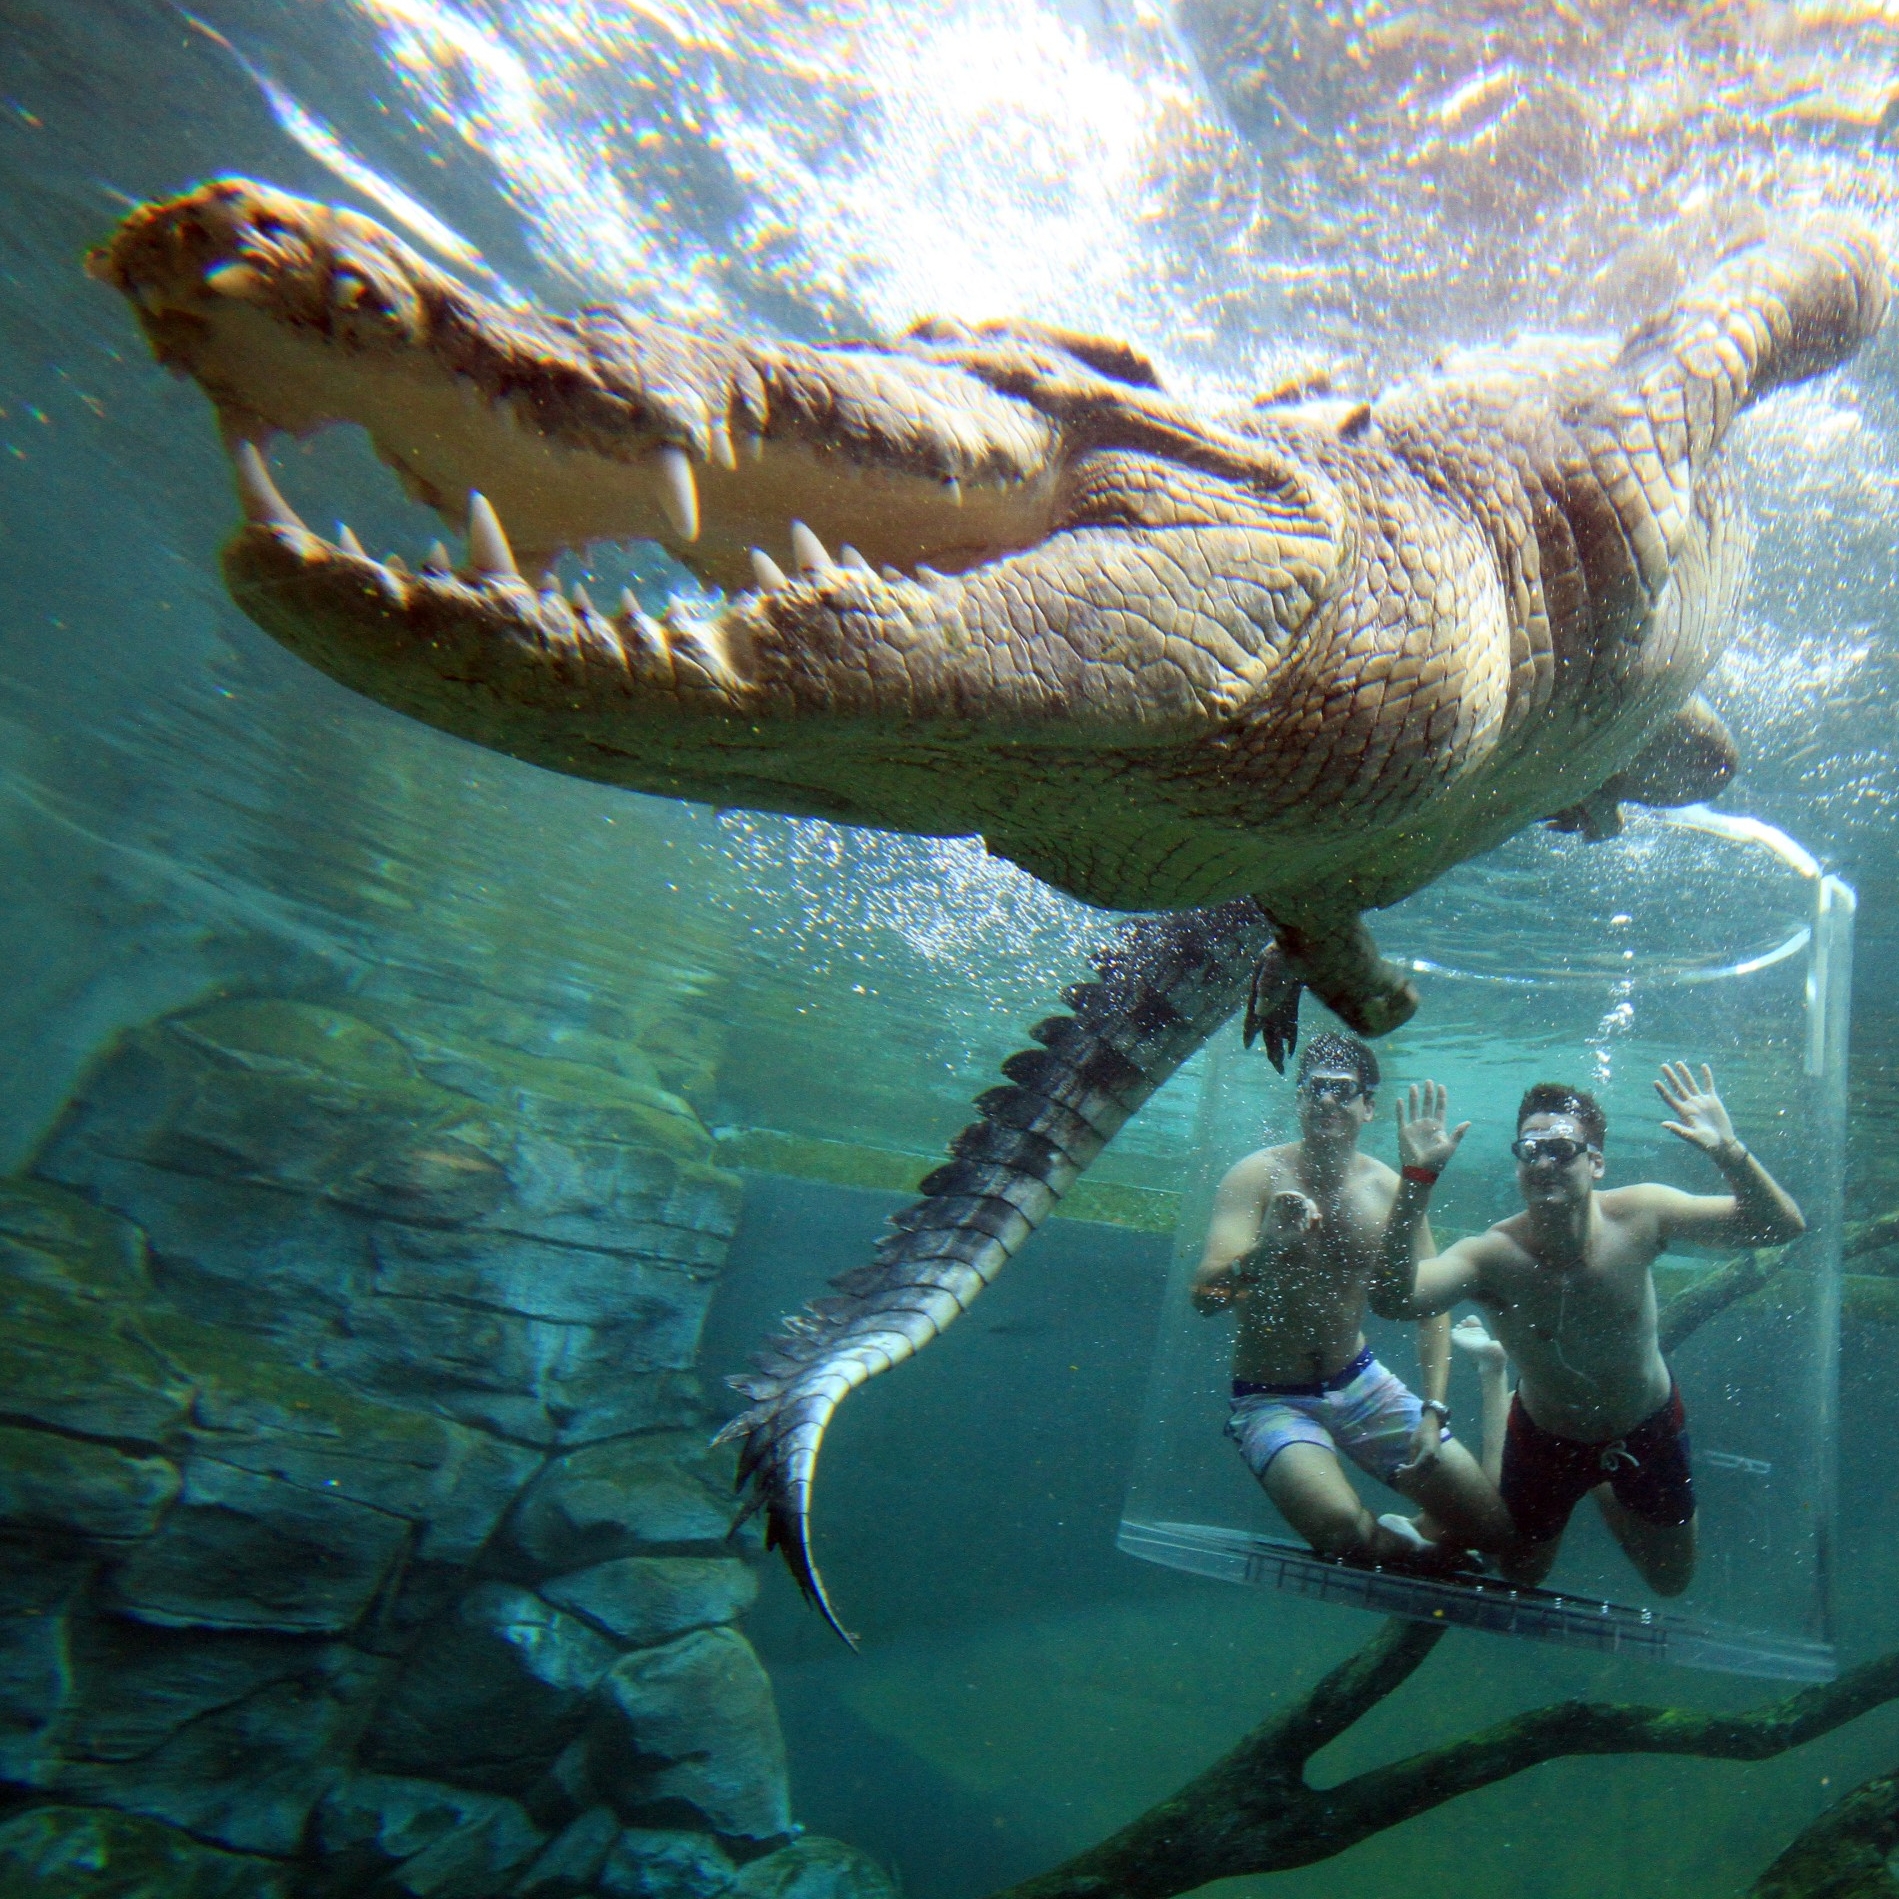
(548, 583)
(347, 541)
(722, 450)
(648, 631)
(257, 493)
(678, 496)
(766, 571)
(754, 446)
(808, 550)
(488, 550)
(892, 573)
(704, 643)
(579, 596)
(954, 489)
(436, 560)
(396, 564)
(848, 556)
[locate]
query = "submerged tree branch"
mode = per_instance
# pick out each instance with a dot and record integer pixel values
(1730, 1282)
(1254, 1811)
(1844, 1853)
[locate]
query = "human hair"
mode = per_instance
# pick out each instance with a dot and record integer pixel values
(1554, 1097)
(1333, 1050)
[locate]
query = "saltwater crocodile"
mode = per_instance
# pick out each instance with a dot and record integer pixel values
(1260, 670)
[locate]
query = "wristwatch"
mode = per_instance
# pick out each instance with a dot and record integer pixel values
(1439, 1406)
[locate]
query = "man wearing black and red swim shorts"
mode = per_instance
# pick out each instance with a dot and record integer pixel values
(1568, 1285)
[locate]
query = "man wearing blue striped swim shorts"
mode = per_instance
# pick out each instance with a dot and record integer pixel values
(1292, 1248)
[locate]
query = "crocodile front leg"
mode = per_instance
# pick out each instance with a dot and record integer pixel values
(1163, 985)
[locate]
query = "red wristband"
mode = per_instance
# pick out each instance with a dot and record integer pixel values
(1418, 1176)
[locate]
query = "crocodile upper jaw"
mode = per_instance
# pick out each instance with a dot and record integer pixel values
(295, 316)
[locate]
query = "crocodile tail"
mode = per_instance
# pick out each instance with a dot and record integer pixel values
(1162, 986)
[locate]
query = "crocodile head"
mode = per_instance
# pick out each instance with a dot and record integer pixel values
(958, 663)
(994, 580)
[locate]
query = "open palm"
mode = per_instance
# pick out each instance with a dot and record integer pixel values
(1700, 1117)
(1423, 1139)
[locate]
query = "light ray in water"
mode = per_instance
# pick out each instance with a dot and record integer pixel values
(321, 141)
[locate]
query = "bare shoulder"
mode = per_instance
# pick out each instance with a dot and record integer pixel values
(1371, 1168)
(1642, 1201)
(1501, 1247)
(1261, 1170)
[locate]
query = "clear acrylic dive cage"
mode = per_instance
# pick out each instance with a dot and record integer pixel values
(1696, 935)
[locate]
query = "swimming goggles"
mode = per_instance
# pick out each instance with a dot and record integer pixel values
(1339, 1088)
(1550, 1147)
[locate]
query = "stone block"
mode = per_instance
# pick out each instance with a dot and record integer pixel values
(813, 1868)
(77, 1364)
(283, 1422)
(641, 1600)
(54, 1483)
(477, 1862)
(569, 1866)
(569, 1101)
(659, 1863)
(233, 1252)
(492, 1694)
(245, 1774)
(134, 1688)
(58, 1852)
(623, 1497)
(688, 1734)
(36, 1585)
(388, 1835)
(566, 1284)
(288, 1094)
(54, 1238)
(526, 1379)
(239, 1550)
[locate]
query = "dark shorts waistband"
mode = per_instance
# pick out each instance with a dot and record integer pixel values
(1311, 1388)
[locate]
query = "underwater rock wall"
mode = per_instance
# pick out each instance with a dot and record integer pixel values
(357, 1529)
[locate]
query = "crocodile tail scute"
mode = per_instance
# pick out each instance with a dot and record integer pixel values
(1162, 986)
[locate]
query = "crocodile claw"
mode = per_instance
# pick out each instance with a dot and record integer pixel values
(1272, 1007)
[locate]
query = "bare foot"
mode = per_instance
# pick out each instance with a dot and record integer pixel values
(1473, 1336)
(1407, 1543)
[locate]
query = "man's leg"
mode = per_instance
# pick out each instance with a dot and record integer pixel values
(1529, 1563)
(1460, 1502)
(1315, 1496)
(1664, 1553)
(1542, 1478)
(1493, 1383)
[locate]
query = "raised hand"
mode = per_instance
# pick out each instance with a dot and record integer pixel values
(1700, 1118)
(1423, 1140)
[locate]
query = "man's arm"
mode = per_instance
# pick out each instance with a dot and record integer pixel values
(1236, 1241)
(1757, 1211)
(1434, 1334)
(1406, 1285)
(1434, 1357)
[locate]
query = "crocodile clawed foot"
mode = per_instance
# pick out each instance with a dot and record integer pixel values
(1339, 962)
(1382, 1010)
(1272, 1008)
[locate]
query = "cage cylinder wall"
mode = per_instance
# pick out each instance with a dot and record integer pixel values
(1696, 936)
